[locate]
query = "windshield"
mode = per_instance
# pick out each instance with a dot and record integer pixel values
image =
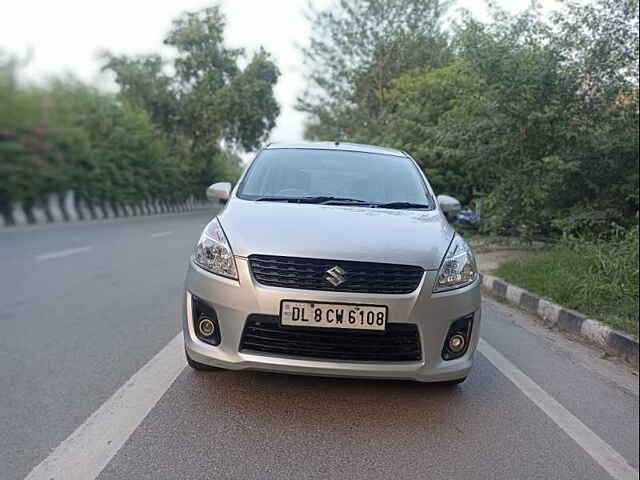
(345, 175)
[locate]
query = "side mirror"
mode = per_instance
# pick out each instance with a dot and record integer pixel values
(220, 190)
(449, 205)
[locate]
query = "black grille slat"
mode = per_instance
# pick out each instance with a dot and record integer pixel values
(308, 274)
(352, 345)
(323, 351)
(324, 355)
(399, 342)
(329, 335)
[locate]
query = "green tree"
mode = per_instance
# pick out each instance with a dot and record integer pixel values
(208, 100)
(537, 116)
(357, 48)
(164, 136)
(420, 105)
(143, 82)
(553, 134)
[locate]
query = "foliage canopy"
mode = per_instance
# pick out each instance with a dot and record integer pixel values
(166, 135)
(538, 117)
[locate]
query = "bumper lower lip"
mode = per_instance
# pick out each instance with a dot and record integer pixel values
(296, 366)
(234, 301)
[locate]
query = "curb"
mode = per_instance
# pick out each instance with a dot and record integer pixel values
(612, 341)
(65, 208)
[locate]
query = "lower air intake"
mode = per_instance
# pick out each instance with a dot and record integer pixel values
(399, 343)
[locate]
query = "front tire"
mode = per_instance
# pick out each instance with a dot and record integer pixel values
(201, 367)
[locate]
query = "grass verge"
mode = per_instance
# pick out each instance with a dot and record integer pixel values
(596, 278)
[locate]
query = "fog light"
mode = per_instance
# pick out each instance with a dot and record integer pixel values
(458, 337)
(456, 343)
(206, 327)
(205, 322)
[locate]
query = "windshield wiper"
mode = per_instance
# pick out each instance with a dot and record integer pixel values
(327, 200)
(323, 200)
(401, 205)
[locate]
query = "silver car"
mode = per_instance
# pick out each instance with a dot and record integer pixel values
(332, 259)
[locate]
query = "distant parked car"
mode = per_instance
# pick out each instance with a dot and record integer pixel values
(332, 259)
(468, 217)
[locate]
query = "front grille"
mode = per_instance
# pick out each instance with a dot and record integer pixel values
(400, 342)
(311, 274)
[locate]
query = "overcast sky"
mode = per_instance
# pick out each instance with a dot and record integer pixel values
(66, 34)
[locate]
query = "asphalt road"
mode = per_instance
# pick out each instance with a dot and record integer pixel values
(85, 308)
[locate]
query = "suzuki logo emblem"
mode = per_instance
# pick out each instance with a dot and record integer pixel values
(335, 276)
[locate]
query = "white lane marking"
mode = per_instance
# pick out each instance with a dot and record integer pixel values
(85, 453)
(160, 234)
(591, 443)
(63, 253)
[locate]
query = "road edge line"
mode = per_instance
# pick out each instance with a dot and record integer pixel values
(600, 451)
(89, 449)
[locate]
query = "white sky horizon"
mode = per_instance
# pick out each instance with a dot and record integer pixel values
(66, 36)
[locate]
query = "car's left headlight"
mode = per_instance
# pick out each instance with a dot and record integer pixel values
(458, 267)
(213, 252)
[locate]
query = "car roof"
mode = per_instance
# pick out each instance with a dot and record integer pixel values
(349, 147)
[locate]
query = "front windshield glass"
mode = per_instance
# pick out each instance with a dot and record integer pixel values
(300, 173)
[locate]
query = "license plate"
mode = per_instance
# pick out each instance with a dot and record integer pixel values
(333, 315)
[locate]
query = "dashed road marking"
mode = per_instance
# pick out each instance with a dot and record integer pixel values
(63, 253)
(161, 234)
(610, 460)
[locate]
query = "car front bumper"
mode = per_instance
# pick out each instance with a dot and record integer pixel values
(235, 300)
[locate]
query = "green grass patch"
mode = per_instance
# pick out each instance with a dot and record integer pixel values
(596, 278)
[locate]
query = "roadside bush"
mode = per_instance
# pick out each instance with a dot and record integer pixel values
(165, 136)
(596, 277)
(69, 136)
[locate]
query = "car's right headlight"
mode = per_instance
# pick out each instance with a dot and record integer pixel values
(458, 267)
(213, 252)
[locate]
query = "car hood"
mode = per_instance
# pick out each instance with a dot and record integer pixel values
(409, 237)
